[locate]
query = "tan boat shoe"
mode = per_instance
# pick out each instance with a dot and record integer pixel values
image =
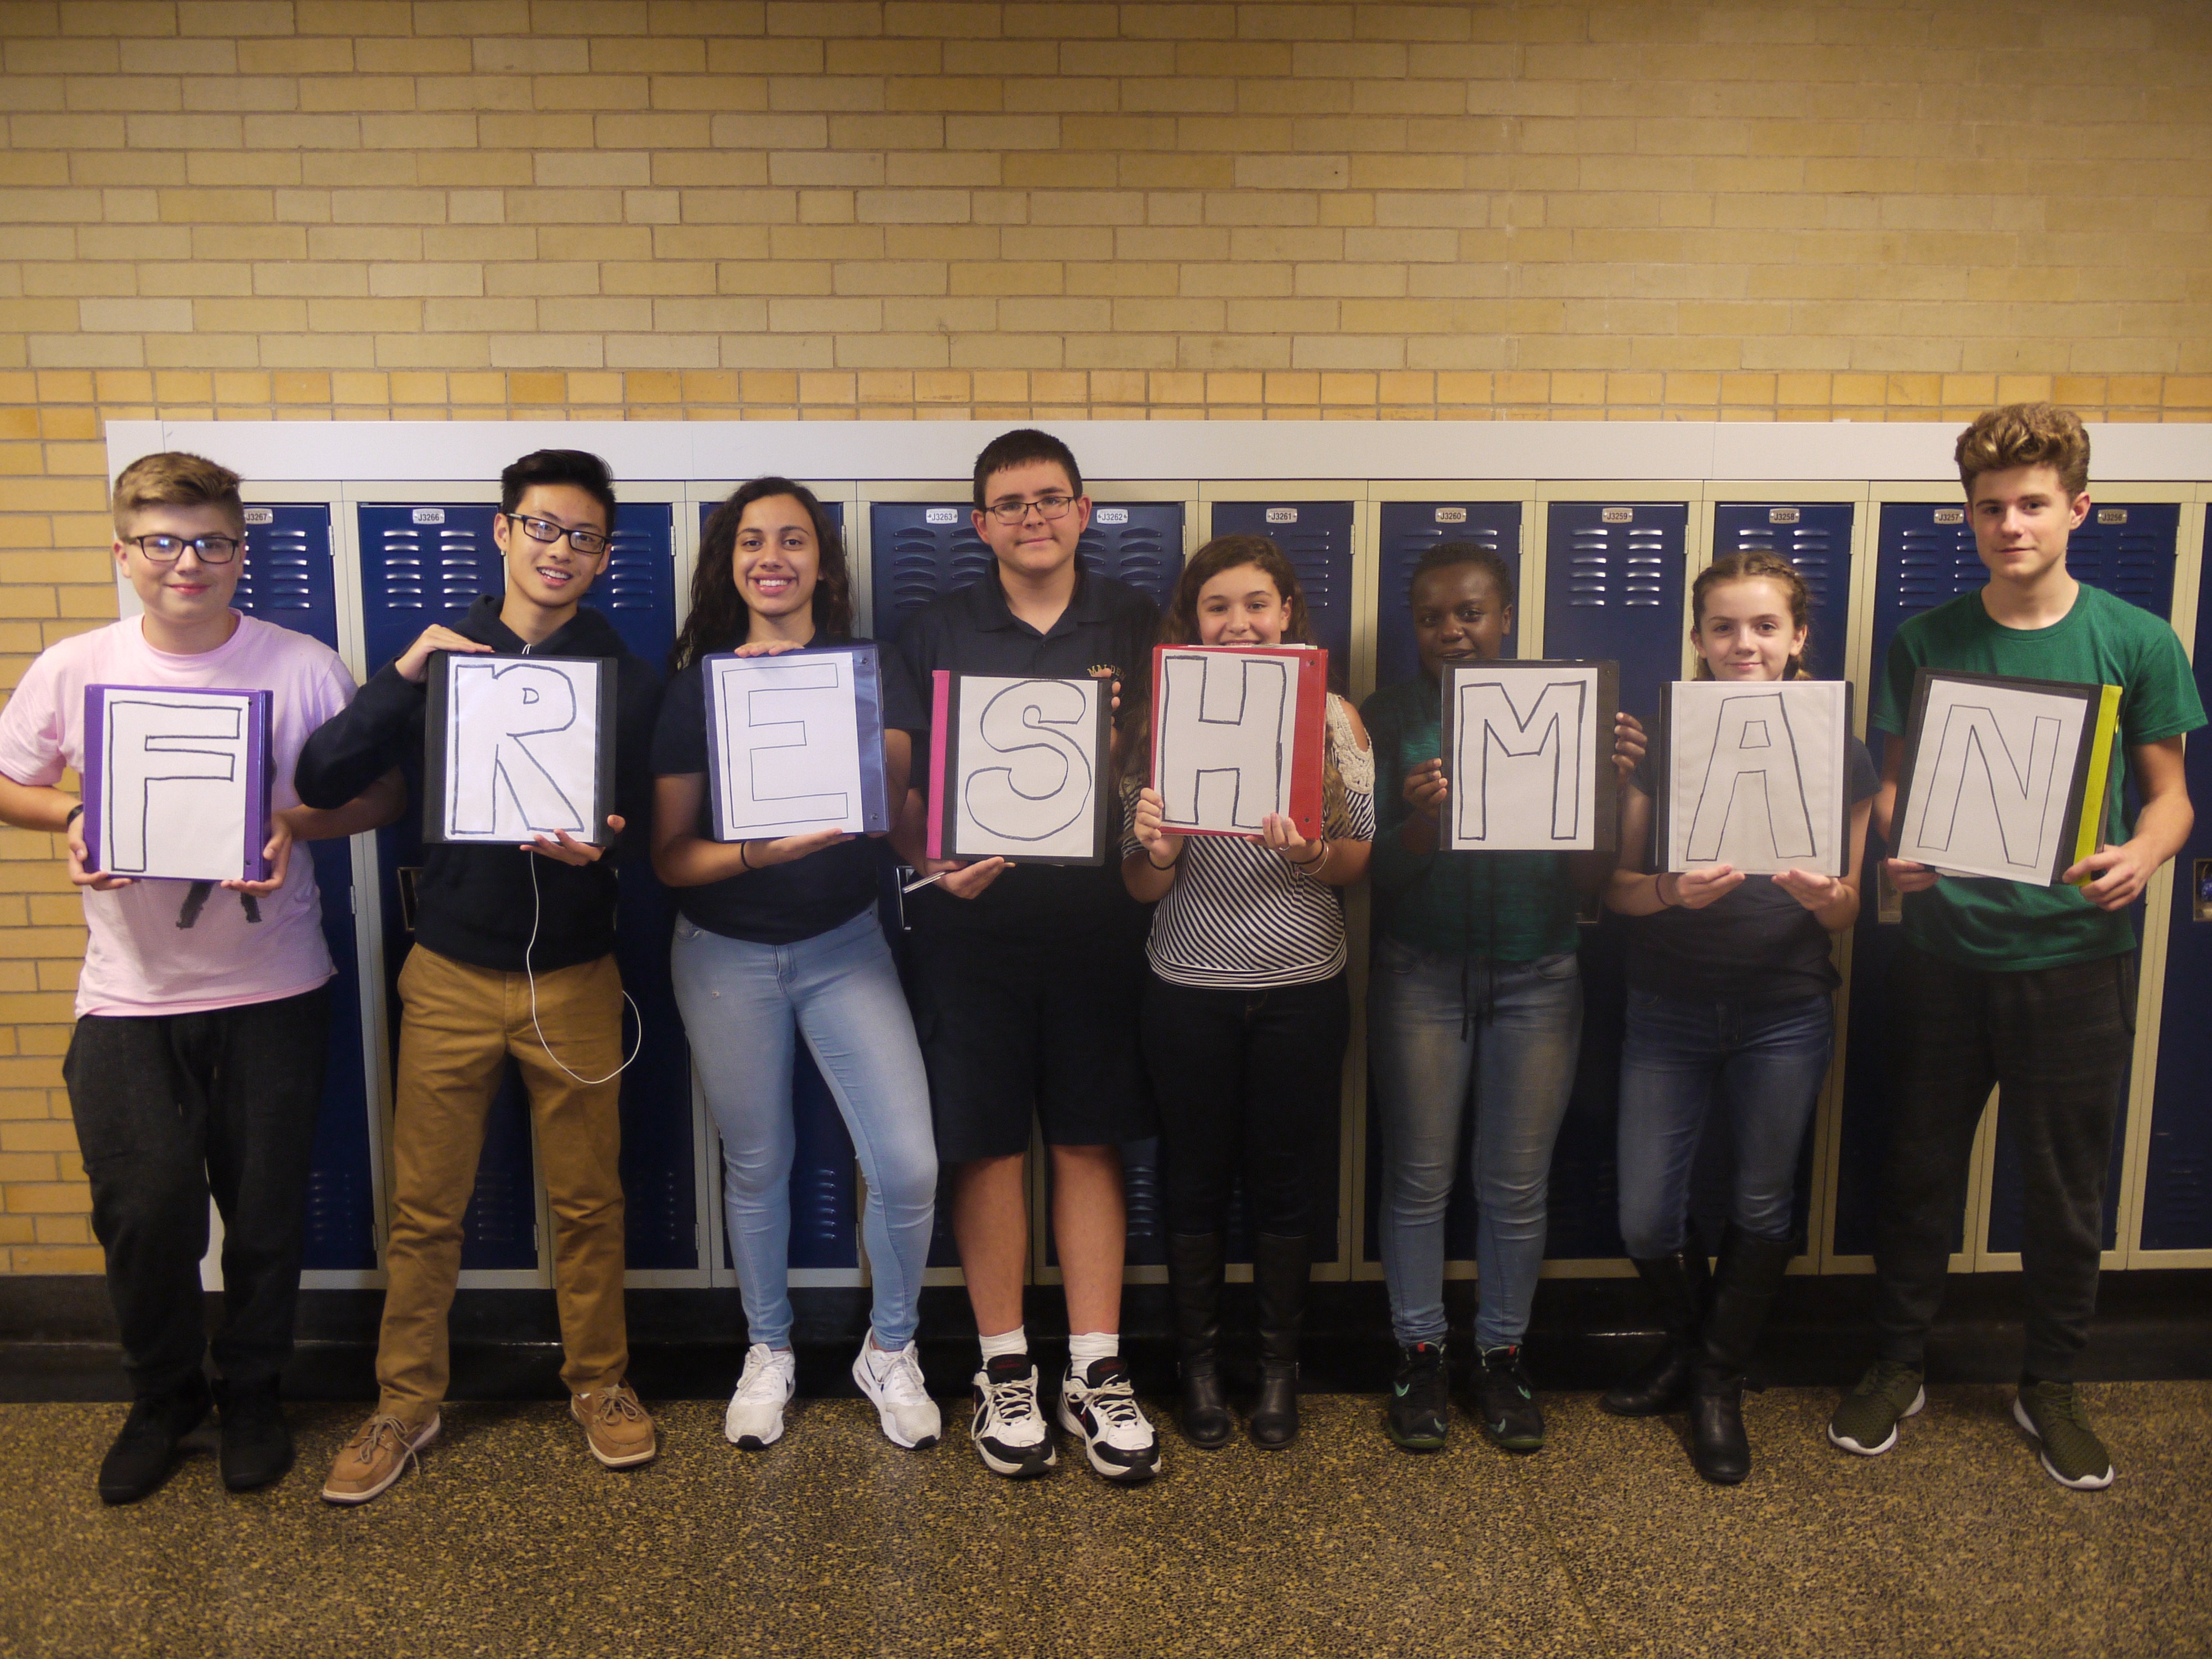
(376, 1457)
(615, 1427)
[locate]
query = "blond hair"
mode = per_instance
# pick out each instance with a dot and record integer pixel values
(2026, 434)
(174, 478)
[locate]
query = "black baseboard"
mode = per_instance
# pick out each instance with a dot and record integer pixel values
(57, 1336)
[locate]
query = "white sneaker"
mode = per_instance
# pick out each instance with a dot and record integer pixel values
(1100, 1405)
(891, 1378)
(755, 1419)
(1009, 1430)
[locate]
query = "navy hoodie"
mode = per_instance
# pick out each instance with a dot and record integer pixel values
(473, 902)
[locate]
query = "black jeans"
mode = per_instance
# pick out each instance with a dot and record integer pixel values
(169, 1108)
(2055, 1042)
(1251, 1079)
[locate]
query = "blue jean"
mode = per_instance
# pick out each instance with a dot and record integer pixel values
(1448, 1034)
(744, 1005)
(1763, 1060)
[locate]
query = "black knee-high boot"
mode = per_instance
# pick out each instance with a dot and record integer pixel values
(1280, 1267)
(1677, 1285)
(1194, 1274)
(1744, 1288)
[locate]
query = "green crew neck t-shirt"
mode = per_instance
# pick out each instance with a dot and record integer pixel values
(2014, 925)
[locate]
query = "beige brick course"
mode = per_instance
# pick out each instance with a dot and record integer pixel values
(934, 208)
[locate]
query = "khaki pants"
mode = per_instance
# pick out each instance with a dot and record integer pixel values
(460, 1023)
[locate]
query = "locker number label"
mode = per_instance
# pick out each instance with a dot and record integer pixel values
(1113, 515)
(260, 515)
(940, 515)
(1616, 515)
(1282, 515)
(429, 515)
(2112, 515)
(1950, 515)
(1451, 515)
(1783, 515)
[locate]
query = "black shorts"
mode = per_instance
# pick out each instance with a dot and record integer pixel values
(1026, 1029)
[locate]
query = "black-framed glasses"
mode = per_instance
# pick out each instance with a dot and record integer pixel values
(587, 541)
(1047, 507)
(168, 549)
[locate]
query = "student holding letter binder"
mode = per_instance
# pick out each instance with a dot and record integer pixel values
(779, 937)
(1245, 1014)
(2028, 987)
(1474, 1009)
(202, 1020)
(1730, 999)
(512, 957)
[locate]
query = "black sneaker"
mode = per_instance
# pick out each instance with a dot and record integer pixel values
(1508, 1398)
(1420, 1399)
(1009, 1432)
(146, 1450)
(1099, 1404)
(257, 1446)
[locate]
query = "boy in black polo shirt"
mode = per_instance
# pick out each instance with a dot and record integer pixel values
(1024, 987)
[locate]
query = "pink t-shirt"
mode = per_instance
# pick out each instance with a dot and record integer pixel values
(138, 960)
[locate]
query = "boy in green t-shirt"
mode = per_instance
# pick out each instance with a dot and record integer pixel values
(2032, 989)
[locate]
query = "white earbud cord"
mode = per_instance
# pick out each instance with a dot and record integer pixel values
(536, 909)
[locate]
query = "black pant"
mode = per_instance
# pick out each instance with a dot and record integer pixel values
(169, 1108)
(2055, 1042)
(1246, 1077)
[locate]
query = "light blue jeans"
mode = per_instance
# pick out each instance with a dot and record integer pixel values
(1450, 1035)
(744, 1005)
(1762, 1062)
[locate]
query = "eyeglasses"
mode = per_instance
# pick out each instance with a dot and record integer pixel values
(1047, 507)
(168, 549)
(587, 542)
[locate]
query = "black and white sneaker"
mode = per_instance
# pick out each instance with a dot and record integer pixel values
(1009, 1430)
(1099, 1404)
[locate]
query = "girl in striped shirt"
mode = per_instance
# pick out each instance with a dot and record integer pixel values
(1245, 1011)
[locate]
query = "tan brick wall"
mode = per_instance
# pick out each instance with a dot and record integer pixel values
(669, 209)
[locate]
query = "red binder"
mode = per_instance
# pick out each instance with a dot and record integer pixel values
(1297, 741)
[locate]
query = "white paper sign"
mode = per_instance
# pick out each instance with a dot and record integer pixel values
(178, 794)
(1756, 775)
(1994, 775)
(788, 736)
(1522, 748)
(1227, 733)
(1028, 779)
(522, 739)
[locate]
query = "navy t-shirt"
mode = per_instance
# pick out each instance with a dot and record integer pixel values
(1756, 944)
(783, 902)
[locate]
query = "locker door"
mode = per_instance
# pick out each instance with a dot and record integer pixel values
(1924, 555)
(286, 576)
(2177, 1201)
(825, 1196)
(419, 562)
(2129, 551)
(1613, 584)
(1816, 538)
(1411, 529)
(1316, 537)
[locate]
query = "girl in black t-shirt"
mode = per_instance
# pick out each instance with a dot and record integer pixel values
(778, 939)
(1730, 1001)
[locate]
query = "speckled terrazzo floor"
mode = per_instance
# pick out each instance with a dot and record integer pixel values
(510, 1541)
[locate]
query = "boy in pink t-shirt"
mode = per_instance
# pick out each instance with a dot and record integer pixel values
(203, 1018)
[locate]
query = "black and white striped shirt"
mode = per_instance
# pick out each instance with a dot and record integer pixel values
(1239, 915)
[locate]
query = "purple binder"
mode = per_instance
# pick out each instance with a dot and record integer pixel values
(240, 756)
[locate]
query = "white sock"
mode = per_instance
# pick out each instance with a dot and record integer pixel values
(1014, 1341)
(1087, 1345)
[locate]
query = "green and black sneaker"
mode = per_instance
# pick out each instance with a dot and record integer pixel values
(2072, 1454)
(1420, 1399)
(1866, 1417)
(1508, 1400)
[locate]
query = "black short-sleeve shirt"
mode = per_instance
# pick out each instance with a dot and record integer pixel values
(1754, 944)
(784, 903)
(1108, 627)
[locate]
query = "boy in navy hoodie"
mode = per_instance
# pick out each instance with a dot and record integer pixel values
(476, 989)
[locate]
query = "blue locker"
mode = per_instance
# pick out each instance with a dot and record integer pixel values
(1316, 537)
(1614, 587)
(2176, 1207)
(1411, 529)
(1816, 538)
(419, 562)
(286, 576)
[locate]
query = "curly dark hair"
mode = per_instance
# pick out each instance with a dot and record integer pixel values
(719, 620)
